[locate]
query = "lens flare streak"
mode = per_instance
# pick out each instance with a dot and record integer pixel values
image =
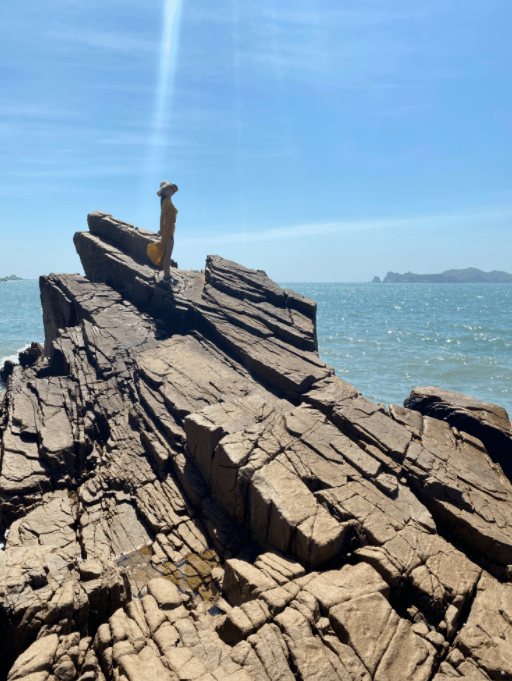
(164, 90)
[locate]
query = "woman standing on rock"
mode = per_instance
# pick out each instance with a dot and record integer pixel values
(160, 253)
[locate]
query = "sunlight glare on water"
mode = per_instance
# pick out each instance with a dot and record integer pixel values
(386, 339)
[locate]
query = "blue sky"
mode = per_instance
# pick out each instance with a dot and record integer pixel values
(327, 140)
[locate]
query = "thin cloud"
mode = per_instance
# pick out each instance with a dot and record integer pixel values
(347, 18)
(342, 46)
(64, 173)
(484, 215)
(363, 16)
(111, 41)
(16, 109)
(136, 140)
(64, 30)
(125, 88)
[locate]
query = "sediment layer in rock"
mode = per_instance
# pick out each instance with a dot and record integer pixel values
(188, 492)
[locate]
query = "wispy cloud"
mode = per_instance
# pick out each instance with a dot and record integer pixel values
(140, 139)
(65, 31)
(103, 40)
(17, 109)
(365, 14)
(484, 215)
(360, 42)
(129, 88)
(96, 170)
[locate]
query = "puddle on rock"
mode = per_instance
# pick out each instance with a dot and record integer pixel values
(192, 575)
(139, 569)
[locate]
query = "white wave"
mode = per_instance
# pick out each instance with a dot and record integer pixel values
(13, 358)
(3, 543)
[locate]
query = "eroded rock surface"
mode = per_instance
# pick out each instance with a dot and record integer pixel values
(487, 422)
(188, 492)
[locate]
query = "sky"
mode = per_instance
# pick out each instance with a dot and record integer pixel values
(320, 141)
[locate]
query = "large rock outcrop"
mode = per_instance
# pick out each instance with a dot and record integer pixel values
(487, 422)
(188, 492)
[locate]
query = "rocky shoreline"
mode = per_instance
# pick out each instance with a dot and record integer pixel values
(189, 493)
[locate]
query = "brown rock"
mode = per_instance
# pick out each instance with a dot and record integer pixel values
(37, 658)
(244, 582)
(272, 652)
(129, 239)
(30, 355)
(145, 666)
(166, 593)
(309, 654)
(90, 570)
(460, 485)
(486, 637)
(487, 422)
(386, 645)
(184, 664)
(235, 627)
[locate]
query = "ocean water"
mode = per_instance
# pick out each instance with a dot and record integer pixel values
(21, 317)
(385, 339)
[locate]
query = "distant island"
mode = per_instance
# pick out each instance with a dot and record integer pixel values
(11, 277)
(471, 275)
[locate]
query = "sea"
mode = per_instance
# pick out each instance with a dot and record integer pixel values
(21, 318)
(384, 339)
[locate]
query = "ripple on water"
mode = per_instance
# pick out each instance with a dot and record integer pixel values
(388, 338)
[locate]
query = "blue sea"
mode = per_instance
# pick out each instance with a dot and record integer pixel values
(385, 339)
(21, 318)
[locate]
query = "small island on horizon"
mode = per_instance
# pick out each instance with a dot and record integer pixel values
(11, 277)
(470, 275)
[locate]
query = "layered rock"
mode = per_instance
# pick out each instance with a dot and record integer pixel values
(487, 422)
(188, 492)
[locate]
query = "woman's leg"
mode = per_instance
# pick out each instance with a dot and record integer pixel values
(169, 246)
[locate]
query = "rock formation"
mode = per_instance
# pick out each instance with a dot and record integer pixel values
(189, 493)
(26, 358)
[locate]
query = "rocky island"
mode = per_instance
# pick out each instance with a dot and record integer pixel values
(189, 493)
(470, 275)
(11, 277)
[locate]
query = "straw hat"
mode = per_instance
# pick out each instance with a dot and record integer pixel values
(164, 185)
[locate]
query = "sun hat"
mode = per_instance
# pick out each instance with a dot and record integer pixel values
(164, 185)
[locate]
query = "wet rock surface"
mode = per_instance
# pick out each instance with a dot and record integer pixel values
(188, 492)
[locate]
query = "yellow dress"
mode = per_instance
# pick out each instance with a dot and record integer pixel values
(168, 215)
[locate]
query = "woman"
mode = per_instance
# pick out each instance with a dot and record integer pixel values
(160, 253)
